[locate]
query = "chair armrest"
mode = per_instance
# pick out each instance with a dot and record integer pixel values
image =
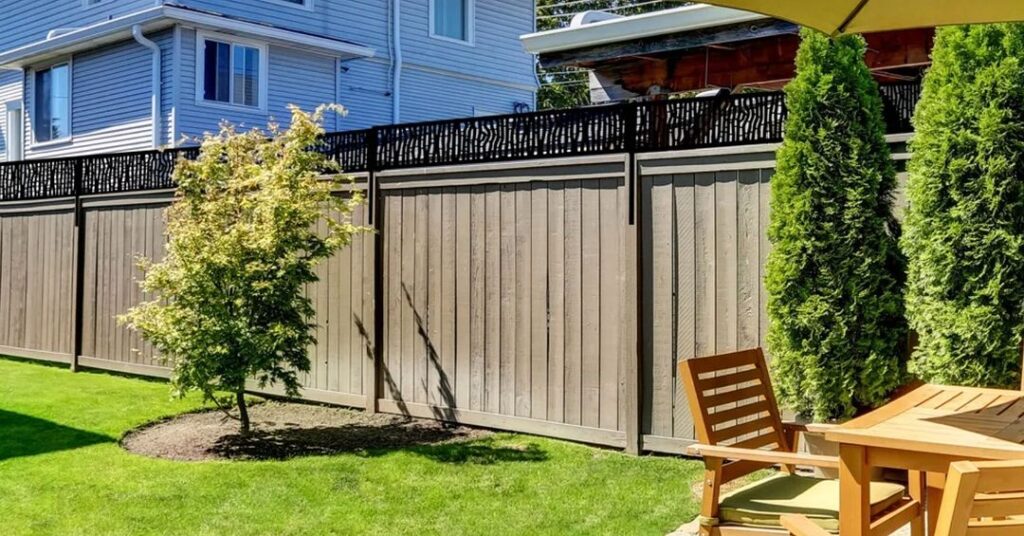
(763, 456)
(798, 525)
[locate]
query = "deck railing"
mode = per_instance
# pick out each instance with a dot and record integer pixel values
(621, 128)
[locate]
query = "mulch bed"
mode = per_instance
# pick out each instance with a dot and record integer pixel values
(284, 430)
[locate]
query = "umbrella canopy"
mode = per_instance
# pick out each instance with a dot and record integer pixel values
(836, 17)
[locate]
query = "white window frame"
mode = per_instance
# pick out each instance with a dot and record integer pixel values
(470, 25)
(264, 75)
(31, 111)
(18, 108)
(306, 4)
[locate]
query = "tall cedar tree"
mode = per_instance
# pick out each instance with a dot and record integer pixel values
(243, 242)
(965, 226)
(834, 275)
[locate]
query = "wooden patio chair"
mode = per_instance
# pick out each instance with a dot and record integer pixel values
(740, 431)
(981, 498)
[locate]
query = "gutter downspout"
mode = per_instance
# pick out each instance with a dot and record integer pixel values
(154, 81)
(396, 61)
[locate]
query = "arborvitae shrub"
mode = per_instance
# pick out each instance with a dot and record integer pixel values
(964, 231)
(834, 276)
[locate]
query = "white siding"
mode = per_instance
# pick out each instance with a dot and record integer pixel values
(110, 103)
(364, 91)
(27, 21)
(495, 65)
(425, 97)
(441, 79)
(296, 77)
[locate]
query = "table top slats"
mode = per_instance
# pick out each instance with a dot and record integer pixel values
(1001, 405)
(956, 421)
(981, 402)
(940, 398)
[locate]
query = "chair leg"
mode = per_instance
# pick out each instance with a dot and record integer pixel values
(935, 484)
(917, 486)
(710, 495)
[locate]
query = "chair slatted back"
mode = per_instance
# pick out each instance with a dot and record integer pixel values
(983, 498)
(732, 401)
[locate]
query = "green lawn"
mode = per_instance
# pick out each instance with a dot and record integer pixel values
(62, 472)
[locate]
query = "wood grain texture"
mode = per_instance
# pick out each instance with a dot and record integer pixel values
(36, 271)
(521, 288)
(706, 248)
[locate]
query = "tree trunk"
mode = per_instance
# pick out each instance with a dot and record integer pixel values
(243, 411)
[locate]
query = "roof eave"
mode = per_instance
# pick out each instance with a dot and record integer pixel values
(681, 19)
(161, 17)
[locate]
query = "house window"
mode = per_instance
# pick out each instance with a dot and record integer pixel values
(232, 72)
(52, 118)
(452, 19)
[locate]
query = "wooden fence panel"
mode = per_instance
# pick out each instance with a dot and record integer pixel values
(706, 219)
(343, 300)
(116, 237)
(507, 290)
(503, 290)
(119, 231)
(36, 281)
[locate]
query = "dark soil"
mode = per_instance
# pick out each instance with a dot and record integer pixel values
(283, 430)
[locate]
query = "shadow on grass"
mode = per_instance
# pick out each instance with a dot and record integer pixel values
(438, 443)
(480, 452)
(22, 435)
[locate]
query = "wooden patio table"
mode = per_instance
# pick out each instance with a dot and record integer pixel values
(923, 431)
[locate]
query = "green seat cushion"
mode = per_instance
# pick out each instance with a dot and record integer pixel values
(762, 503)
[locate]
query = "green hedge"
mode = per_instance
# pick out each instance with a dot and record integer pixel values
(834, 276)
(965, 226)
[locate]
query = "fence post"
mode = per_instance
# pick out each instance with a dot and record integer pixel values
(633, 349)
(79, 260)
(371, 373)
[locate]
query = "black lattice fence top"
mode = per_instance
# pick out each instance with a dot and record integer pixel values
(635, 127)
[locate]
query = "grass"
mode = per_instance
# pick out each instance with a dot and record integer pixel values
(63, 472)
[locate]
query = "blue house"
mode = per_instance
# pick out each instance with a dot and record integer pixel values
(97, 76)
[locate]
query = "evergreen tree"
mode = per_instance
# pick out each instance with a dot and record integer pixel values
(965, 226)
(834, 276)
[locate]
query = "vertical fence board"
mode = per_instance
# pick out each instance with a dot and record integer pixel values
(477, 281)
(539, 301)
(555, 272)
(661, 300)
(494, 302)
(434, 350)
(725, 262)
(456, 305)
(523, 289)
(507, 372)
(573, 303)
(686, 329)
(591, 302)
(611, 228)
(748, 259)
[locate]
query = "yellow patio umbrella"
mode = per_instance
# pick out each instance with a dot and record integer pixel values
(836, 17)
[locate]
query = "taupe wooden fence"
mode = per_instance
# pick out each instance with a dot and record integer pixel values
(530, 296)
